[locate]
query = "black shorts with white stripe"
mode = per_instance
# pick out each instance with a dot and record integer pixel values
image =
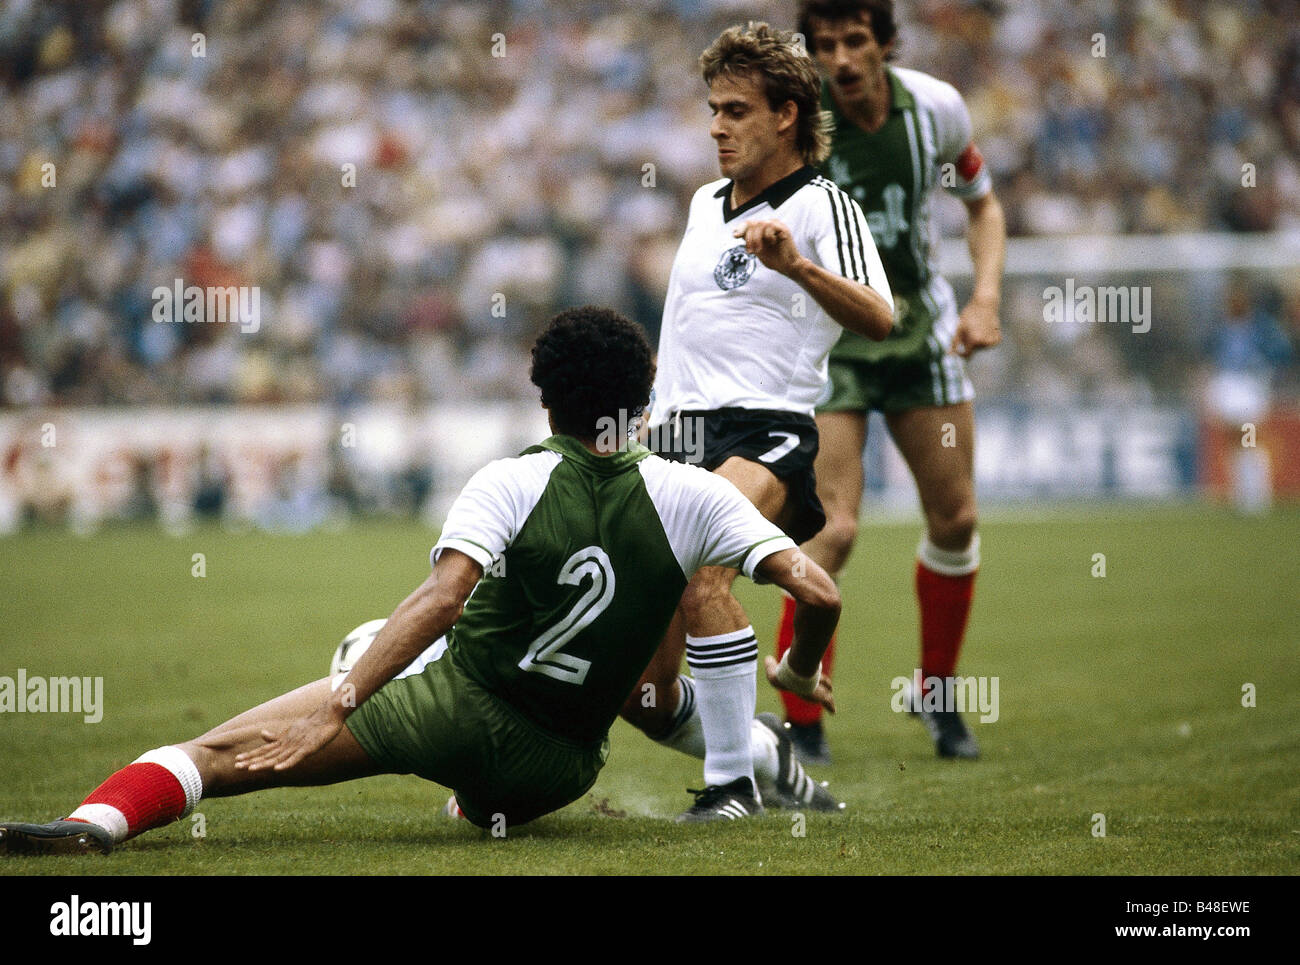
(783, 442)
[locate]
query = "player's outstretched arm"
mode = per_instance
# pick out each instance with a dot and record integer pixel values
(986, 237)
(418, 621)
(815, 621)
(857, 307)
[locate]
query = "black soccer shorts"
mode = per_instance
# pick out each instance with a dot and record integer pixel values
(784, 442)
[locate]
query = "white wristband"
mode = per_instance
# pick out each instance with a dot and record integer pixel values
(791, 681)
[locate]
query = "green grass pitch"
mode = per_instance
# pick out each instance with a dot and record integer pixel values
(1119, 696)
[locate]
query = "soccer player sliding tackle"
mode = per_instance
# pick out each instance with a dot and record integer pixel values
(775, 263)
(505, 696)
(898, 133)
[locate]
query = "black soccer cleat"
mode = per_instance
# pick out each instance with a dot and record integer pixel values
(793, 790)
(722, 802)
(948, 731)
(810, 744)
(950, 734)
(57, 837)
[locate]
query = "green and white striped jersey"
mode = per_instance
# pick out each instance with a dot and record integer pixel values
(585, 558)
(892, 172)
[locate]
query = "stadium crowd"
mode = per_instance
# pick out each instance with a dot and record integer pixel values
(414, 187)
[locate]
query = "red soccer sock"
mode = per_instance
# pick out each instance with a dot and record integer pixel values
(944, 594)
(797, 710)
(158, 788)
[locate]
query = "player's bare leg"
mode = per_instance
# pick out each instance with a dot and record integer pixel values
(722, 651)
(838, 467)
(839, 486)
(215, 753)
(945, 474)
(660, 699)
(663, 706)
(938, 444)
(655, 705)
(166, 783)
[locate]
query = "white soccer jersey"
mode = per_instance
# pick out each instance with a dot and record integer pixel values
(736, 333)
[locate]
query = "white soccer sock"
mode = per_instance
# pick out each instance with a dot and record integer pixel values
(724, 666)
(687, 735)
(949, 562)
(764, 752)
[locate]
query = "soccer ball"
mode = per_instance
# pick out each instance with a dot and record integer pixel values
(353, 646)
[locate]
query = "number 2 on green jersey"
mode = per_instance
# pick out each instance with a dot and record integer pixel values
(544, 654)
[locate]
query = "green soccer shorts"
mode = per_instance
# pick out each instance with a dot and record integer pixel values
(896, 384)
(445, 727)
(911, 369)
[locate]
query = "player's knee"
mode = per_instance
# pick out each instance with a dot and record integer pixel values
(953, 528)
(839, 535)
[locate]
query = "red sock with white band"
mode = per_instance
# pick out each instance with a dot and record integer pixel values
(159, 787)
(945, 587)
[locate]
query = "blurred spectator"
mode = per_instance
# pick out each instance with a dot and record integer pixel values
(1246, 350)
(211, 485)
(412, 199)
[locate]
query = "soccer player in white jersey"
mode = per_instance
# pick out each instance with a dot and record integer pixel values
(576, 557)
(775, 263)
(898, 134)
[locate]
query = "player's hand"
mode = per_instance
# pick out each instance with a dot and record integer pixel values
(821, 695)
(771, 241)
(283, 750)
(977, 328)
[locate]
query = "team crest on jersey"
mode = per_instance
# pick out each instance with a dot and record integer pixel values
(734, 268)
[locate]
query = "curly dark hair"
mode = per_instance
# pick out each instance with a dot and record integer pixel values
(591, 363)
(879, 13)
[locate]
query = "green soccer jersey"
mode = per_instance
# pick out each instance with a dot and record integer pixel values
(585, 558)
(892, 172)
